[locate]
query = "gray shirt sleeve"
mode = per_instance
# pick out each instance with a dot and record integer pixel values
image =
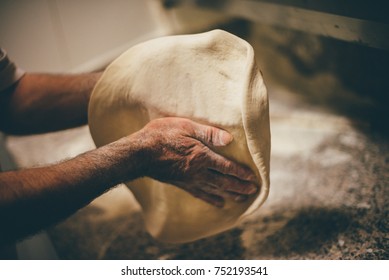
(9, 72)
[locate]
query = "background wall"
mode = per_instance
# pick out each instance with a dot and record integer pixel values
(62, 35)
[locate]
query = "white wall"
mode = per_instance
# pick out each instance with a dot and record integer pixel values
(71, 35)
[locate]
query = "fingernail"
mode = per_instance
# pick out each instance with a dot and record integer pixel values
(252, 189)
(224, 138)
(251, 177)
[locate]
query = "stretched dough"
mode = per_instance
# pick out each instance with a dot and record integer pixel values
(211, 78)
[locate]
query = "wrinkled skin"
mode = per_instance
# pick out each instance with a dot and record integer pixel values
(180, 153)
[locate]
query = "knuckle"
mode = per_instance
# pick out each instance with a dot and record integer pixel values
(209, 134)
(228, 166)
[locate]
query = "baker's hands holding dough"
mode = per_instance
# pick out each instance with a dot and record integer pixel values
(178, 152)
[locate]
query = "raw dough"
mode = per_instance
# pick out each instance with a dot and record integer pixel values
(211, 78)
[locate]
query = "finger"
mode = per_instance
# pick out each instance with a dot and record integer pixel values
(227, 183)
(210, 198)
(225, 166)
(241, 198)
(211, 136)
(225, 194)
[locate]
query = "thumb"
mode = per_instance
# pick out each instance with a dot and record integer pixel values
(212, 136)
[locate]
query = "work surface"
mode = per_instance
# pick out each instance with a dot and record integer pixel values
(329, 183)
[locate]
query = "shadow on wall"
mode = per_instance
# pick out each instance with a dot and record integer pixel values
(342, 77)
(362, 70)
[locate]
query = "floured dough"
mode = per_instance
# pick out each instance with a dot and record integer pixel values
(210, 78)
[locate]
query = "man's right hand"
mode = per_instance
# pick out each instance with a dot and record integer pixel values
(177, 151)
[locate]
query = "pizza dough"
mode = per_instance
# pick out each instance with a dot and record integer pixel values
(211, 78)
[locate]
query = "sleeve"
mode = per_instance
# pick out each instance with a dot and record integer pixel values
(9, 72)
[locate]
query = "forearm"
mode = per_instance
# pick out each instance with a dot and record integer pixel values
(33, 199)
(171, 150)
(42, 103)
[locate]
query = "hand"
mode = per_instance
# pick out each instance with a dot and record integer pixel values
(179, 153)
